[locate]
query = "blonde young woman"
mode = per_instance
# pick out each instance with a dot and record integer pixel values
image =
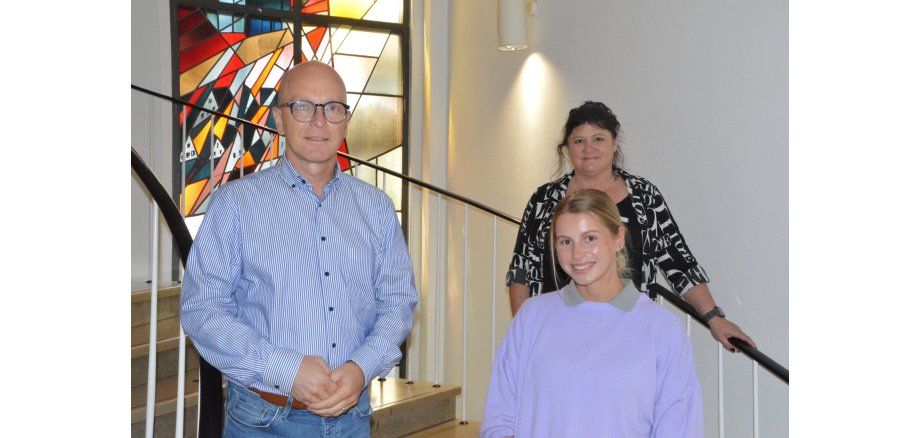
(596, 358)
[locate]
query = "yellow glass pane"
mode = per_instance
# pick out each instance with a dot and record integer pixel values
(359, 42)
(387, 76)
(201, 137)
(258, 46)
(390, 184)
(355, 71)
(376, 126)
(220, 123)
(192, 191)
(390, 11)
(265, 72)
(338, 36)
(349, 8)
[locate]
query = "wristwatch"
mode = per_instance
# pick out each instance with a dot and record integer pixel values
(716, 311)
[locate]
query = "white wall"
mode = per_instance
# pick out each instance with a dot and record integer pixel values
(701, 89)
(150, 131)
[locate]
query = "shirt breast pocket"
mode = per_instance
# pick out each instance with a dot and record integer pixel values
(359, 283)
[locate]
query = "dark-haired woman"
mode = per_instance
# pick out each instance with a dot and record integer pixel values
(591, 145)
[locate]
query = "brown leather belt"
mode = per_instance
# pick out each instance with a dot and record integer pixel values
(279, 400)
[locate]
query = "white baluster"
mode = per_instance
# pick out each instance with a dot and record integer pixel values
(755, 366)
(152, 349)
(494, 238)
(466, 257)
(721, 395)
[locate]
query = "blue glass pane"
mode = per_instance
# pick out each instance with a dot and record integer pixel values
(278, 5)
(224, 21)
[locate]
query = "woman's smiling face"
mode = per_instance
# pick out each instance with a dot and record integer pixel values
(587, 252)
(591, 149)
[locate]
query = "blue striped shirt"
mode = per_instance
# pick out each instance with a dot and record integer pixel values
(276, 274)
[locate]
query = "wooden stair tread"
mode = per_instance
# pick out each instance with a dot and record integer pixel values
(450, 429)
(166, 328)
(395, 395)
(140, 289)
(166, 389)
(162, 345)
(166, 406)
(394, 402)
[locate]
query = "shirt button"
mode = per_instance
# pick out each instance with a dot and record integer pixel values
(333, 345)
(326, 274)
(277, 387)
(323, 238)
(331, 309)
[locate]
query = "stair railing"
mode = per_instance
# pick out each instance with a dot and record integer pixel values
(214, 413)
(210, 390)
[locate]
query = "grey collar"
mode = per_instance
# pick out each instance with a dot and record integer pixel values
(625, 300)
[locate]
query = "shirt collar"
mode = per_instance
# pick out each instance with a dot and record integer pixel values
(293, 178)
(625, 300)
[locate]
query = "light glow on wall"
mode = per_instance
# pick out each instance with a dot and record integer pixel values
(537, 97)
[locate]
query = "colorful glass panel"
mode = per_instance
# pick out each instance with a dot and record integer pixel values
(279, 5)
(232, 63)
(236, 74)
(389, 11)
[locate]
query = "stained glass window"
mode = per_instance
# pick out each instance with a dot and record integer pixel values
(231, 55)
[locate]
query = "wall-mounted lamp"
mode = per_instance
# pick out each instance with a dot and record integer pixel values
(512, 24)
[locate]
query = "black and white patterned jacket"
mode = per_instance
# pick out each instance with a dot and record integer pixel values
(662, 244)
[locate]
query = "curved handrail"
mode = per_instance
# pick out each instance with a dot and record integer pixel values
(410, 179)
(765, 361)
(768, 363)
(210, 391)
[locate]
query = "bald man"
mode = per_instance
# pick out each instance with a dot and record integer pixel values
(299, 287)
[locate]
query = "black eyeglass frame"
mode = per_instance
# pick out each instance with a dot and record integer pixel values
(291, 104)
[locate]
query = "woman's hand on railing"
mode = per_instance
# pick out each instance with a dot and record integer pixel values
(721, 329)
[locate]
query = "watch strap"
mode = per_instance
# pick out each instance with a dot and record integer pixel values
(716, 311)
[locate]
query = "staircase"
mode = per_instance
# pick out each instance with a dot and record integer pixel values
(167, 358)
(401, 408)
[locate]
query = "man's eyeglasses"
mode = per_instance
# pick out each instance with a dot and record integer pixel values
(304, 110)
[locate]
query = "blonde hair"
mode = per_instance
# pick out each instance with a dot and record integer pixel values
(597, 204)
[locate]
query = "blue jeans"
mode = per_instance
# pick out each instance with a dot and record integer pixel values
(247, 415)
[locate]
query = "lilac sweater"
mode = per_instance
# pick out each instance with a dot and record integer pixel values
(569, 367)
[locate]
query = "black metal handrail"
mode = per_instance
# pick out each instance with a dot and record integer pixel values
(410, 179)
(765, 361)
(210, 390)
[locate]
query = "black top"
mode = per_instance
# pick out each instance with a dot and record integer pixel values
(654, 240)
